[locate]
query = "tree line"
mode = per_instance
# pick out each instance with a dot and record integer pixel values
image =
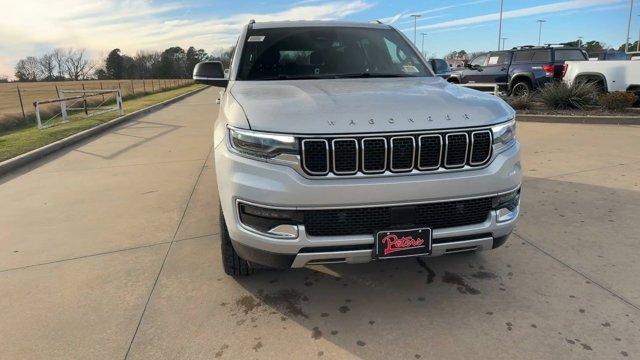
(75, 64)
(591, 47)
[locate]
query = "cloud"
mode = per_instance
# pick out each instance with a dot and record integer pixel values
(132, 25)
(534, 10)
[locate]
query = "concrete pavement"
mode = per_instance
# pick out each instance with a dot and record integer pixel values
(110, 249)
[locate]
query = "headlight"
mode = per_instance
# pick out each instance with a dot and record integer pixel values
(262, 145)
(503, 135)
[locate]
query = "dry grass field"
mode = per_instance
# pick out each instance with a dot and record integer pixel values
(30, 92)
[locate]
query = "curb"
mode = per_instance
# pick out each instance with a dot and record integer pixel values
(21, 160)
(568, 119)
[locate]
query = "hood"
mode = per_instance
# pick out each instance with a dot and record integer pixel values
(335, 106)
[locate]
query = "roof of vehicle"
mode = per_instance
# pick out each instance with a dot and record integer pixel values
(317, 23)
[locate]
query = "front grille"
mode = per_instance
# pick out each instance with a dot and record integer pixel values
(398, 154)
(369, 220)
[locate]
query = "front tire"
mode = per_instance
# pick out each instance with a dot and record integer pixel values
(232, 263)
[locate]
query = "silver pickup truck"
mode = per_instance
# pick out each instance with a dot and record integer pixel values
(336, 143)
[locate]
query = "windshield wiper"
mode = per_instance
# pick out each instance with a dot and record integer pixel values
(368, 75)
(293, 77)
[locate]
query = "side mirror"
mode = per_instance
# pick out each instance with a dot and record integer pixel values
(210, 73)
(468, 65)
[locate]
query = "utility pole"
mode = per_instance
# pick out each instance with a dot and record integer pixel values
(580, 41)
(423, 35)
(415, 28)
(503, 40)
(500, 24)
(540, 21)
(626, 42)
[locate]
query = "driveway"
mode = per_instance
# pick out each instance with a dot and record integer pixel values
(110, 250)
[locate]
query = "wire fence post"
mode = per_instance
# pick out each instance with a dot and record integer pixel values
(133, 89)
(84, 101)
(38, 121)
(101, 88)
(24, 117)
(144, 87)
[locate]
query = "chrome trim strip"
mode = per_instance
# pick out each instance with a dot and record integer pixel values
(420, 151)
(386, 156)
(413, 153)
(333, 157)
(361, 256)
(304, 165)
(277, 207)
(446, 153)
(473, 134)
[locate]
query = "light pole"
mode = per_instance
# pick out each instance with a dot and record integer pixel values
(626, 42)
(580, 41)
(503, 40)
(500, 24)
(638, 47)
(415, 27)
(423, 35)
(540, 21)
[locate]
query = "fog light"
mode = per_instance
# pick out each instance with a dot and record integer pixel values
(269, 221)
(506, 205)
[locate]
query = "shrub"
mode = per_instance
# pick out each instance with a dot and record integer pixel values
(618, 100)
(558, 95)
(524, 102)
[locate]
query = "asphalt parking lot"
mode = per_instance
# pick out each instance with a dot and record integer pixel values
(109, 249)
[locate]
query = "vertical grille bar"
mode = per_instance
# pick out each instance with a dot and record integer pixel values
(403, 149)
(345, 156)
(480, 147)
(374, 155)
(456, 150)
(429, 152)
(315, 156)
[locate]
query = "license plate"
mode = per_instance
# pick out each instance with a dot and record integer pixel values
(403, 243)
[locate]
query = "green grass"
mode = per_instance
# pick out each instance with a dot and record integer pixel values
(20, 140)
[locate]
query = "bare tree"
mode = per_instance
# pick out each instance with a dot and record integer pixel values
(27, 69)
(78, 65)
(60, 58)
(47, 67)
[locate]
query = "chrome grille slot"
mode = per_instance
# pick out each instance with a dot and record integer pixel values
(374, 155)
(456, 150)
(315, 156)
(402, 153)
(480, 147)
(430, 152)
(385, 154)
(345, 156)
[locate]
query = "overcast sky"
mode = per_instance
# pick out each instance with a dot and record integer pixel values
(31, 27)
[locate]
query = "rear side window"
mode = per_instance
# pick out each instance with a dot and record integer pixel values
(569, 55)
(532, 56)
(499, 58)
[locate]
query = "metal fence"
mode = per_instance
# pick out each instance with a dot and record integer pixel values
(17, 98)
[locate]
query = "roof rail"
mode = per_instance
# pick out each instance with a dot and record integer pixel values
(376, 22)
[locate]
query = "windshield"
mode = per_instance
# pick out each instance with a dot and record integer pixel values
(327, 52)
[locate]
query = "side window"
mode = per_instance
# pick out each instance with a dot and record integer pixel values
(568, 55)
(479, 60)
(499, 58)
(523, 56)
(393, 52)
(541, 55)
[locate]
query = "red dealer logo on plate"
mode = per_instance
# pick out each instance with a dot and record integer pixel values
(393, 243)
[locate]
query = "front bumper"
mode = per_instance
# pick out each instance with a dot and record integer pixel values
(279, 186)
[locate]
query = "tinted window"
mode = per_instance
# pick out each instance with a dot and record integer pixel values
(479, 60)
(569, 55)
(499, 58)
(326, 52)
(440, 66)
(532, 56)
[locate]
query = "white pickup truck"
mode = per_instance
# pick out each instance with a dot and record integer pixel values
(617, 75)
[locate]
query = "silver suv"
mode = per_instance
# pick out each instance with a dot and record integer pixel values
(336, 143)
